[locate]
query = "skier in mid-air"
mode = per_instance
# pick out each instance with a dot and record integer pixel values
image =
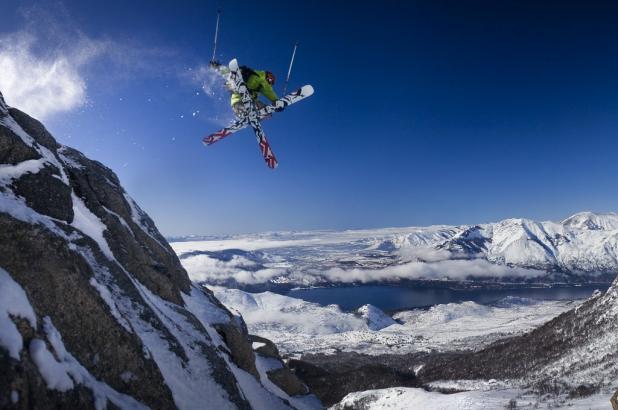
(257, 81)
(246, 85)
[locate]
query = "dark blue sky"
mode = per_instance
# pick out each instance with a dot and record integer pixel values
(424, 113)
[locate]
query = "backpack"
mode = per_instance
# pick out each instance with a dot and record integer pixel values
(246, 72)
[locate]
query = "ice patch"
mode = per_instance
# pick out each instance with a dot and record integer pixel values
(11, 172)
(53, 372)
(90, 225)
(13, 302)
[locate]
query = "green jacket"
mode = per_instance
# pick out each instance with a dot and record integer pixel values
(257, 84)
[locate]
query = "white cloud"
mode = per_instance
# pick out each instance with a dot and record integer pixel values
(203, 268)
(446, 269)
(243, 271)
(42, 86)
(44, 67)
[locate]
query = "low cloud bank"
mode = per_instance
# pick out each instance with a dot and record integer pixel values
(440, 270)
(202, 268)
(243, 271)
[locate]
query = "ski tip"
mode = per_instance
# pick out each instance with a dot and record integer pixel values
(307, 90)
(271, 162)
(233, 64)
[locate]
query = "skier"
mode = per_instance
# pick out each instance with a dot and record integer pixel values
(257, 81)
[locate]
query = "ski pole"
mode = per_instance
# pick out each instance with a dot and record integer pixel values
(214, 51)
(285, 87)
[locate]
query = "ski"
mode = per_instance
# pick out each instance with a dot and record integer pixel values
(251, 114)
(239, 124)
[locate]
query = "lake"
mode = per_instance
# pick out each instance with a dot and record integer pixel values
(391, 298)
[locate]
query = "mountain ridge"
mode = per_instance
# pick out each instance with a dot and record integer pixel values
(582, 248)
(104, 314)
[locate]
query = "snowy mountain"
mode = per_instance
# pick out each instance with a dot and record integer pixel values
(592, 221)
(580, 249)
(299, 327)
(571, 356)
(375, 318)
(535, 361)
(96, 310)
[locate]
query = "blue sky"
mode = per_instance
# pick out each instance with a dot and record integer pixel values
(442, 112)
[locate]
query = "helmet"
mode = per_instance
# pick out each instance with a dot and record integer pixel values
(270, 77)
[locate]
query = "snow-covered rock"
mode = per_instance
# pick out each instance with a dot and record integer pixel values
(570, 354)
(376, 319)
(401, 398)
(95, 308)
(593, 221)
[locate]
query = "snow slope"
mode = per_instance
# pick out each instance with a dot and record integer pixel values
(110, 296)
(401, 398)
(300, 327)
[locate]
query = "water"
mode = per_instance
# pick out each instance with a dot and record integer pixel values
(397, 297)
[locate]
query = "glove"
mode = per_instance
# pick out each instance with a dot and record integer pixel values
(214, 64)
(279, 108)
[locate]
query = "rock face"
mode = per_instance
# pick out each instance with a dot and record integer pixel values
(575, 353)
(115, 319)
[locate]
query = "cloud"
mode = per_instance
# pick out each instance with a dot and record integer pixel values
(202, 268)
(434, 265)
(453, 269)
(45, 66)
(42, 86)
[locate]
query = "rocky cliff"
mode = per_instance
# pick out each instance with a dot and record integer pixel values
(95, 309)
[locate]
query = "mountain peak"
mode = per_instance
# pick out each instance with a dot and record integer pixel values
(593, 221)
(112, 314)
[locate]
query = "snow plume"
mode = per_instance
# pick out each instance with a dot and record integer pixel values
(211, 82)
(42, 85)
(44, 66)
(212, 85)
